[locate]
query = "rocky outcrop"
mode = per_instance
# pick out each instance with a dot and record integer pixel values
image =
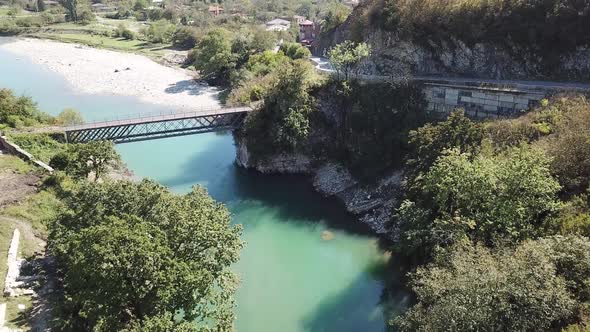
(400, 57)
(372, 204)
(284, 163)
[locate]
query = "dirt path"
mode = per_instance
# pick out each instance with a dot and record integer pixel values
(14, 187)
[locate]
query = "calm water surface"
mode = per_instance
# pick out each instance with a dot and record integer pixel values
(292, 280)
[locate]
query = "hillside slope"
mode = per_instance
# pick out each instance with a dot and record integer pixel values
(499, 39)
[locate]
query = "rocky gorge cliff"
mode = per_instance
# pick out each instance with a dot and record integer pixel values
(397, 55)
(372, 204)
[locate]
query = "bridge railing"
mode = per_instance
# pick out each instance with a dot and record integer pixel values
(119, 119)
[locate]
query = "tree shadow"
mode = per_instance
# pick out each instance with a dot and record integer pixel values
(193, 87)
(291, 197)
(366, 305)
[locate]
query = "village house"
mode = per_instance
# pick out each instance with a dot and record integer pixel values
(298, 19)
(308, 31)
(215, 10)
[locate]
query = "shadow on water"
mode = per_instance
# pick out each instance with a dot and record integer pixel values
(360, 307)
(292, 197)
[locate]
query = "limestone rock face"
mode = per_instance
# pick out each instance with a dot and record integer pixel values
(372, 204)
(284, 163)
(392, 55)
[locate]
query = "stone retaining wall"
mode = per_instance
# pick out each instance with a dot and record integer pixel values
(14, 149)
(480, 102)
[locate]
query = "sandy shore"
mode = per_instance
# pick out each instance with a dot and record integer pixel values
(96, 71)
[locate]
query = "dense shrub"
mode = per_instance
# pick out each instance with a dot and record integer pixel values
(184, 37)
(536, 287)
(160, 31)
(295, 51)
(486, 198)
(283, 123)
(20, 111)
(376, 123)
(124, 32)
(41, 146)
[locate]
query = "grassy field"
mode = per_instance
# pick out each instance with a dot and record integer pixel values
(14, 163)
(154, 51)
(36, 210)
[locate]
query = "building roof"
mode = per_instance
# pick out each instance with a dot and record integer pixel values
(306, 22)
(278, 21)
(215, 8)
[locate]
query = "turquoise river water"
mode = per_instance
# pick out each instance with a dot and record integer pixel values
(292, 280)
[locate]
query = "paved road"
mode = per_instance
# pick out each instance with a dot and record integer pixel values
(323, 65)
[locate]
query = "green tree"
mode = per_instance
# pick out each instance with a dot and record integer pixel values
(160, 31)
(335, 15)
(295, 51)
(185, 37)
(284, 120)
(346, 56)
(20, 111)
(69, 117)
(72, 7)
(78, 10)
(134, 254)
(40, 5)
(471, 288)
(213, 56)
(428, 143)
(81, 160)
(485, 198)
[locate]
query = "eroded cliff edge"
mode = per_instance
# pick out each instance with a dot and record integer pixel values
(373, 204)
(372, 199)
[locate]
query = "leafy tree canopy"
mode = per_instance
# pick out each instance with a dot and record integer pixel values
(486, 197)
(134, 254)
(472, 288)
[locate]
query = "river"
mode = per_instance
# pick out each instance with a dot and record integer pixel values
(292, 280)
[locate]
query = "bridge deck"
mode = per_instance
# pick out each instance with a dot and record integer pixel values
(154, 126)
(158, 117)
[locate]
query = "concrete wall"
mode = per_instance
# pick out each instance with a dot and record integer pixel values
(14, 149)
(480, 102)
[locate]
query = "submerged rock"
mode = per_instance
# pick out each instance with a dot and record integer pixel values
(327, 236)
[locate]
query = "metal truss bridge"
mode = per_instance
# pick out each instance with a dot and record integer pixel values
(155, 126)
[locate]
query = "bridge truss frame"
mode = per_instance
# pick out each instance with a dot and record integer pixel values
(127, 131)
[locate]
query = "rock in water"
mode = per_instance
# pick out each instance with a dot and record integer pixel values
(327, 236)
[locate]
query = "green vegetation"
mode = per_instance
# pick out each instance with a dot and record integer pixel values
(82, 160)
(69, 117)
(345, 57)
(38, 209)
(163, 263)
(499, 211)
(531, 288)
(16, 112)
(41, 146)
(159, 253)
(283, 123)
(14, 164)
(465, 196)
